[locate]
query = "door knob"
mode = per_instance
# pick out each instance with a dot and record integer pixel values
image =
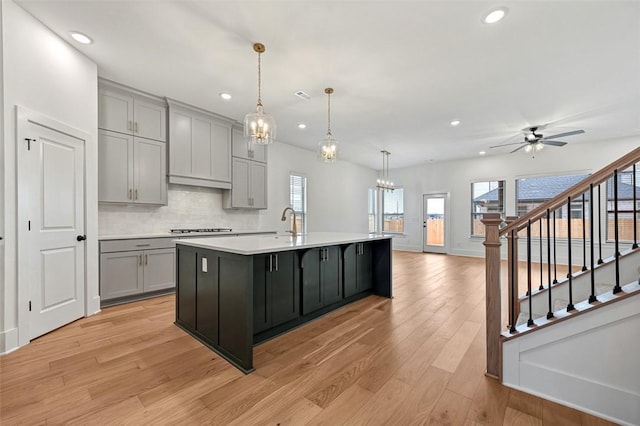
(81, 237)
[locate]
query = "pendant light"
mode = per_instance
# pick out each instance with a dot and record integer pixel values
(328, 148)
(259, 128)
(385, 183)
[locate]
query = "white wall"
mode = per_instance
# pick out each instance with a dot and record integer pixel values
(455, 178)
(44, 74)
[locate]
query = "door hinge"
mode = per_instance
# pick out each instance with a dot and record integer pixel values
(29, 143)
(29, 305)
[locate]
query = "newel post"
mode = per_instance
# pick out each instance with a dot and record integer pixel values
(492, 245)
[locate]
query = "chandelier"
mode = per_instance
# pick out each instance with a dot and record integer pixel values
(385, 183)
(259, 128)
(328, 148)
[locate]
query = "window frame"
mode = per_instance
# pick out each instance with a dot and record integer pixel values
(384, 213)
(502, 195)
(302, 215)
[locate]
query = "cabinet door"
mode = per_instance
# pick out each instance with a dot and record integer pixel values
(365, 267)
(349, 270)
(115, 111)
(221, 152)
(180, 144)
(311, 290)
(115, 167)
(207, 295)
(261, 295)
(120, 274)
(150, 120)
(150, 171)
(258, 187)
(244, 149)
(159, 269)
(241, 177)
(186, 287)
(330, 276)
(285, 293)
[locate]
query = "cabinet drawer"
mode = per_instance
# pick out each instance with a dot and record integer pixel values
(136, 244)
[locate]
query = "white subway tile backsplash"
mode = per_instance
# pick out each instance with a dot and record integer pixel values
(187, 207)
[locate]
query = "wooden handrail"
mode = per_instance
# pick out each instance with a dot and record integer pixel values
(578, 189)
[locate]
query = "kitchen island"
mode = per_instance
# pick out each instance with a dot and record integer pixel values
(232, 293)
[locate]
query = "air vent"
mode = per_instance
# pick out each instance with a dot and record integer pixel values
(303, 95)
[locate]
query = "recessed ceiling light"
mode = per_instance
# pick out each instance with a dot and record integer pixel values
(455, 122)
(495, 15)
(302, 126)
(482, 152)
(81, 38)
(225, 96)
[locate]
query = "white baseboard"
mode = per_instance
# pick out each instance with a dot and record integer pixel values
(8, 341)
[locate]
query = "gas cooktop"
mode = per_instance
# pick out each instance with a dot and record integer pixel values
(196, 230)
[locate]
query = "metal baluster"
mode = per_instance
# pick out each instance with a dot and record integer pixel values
(555, 260)
(600, 261)
(592, 297)
(570, 306)
(550, 313)
(540, 242)
(584, 238)
(530, 320)
(635, 209)
(514, 291)
(617, 288)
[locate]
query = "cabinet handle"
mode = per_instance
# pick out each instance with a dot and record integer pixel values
(136, 195)
(136, 128)
(143, 245)
(326, 254)
(276, 262)
(146, 259)
(131, 194)
(250, 153)
(140, 259)
(129, 126)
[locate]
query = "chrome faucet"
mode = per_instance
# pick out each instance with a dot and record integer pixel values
(294, 230)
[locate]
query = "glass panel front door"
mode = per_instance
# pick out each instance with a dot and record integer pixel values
(434, 223)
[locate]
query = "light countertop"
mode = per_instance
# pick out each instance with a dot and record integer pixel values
(273, 243)
(186, 235)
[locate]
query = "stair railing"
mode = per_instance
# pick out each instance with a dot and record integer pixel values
(545, 220)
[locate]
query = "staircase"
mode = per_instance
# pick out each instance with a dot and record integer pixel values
(570, 330)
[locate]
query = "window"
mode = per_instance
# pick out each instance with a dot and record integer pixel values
(532, 192)
(298, 199)
(393, 210)
(372, 201)
(486, 197)
(625, 205)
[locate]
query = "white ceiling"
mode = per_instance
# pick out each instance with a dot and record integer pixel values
(401, 70)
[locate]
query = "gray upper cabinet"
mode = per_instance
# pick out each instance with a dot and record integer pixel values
(127, 112)
(199, 147)
(249, 185)
(243, 149)
(131, 169)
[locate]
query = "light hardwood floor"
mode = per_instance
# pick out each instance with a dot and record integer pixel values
(416, 359)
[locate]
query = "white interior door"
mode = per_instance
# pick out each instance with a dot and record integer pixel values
(434, 223)
(51, 249)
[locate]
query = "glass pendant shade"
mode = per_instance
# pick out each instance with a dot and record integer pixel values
(259, 128)
(328, 149)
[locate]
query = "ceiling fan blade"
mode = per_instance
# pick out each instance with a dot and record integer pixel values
(554, 143)
(562, 135)
(506, 144)
(518, 148)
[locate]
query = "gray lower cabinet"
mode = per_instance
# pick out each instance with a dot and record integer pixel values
(249, 190)
(199, 147)
(131, 169)
(321, 272)
(135, 267)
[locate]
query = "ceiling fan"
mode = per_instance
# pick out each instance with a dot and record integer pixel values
(534, 141)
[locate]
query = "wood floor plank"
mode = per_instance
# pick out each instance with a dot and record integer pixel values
(414, 359)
